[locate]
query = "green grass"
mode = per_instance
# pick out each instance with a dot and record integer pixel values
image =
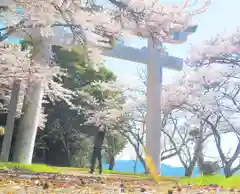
(46, 168)
(28, 167)
(54, 169)
(232, 182)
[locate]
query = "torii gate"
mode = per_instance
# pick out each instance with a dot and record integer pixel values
(155, 63)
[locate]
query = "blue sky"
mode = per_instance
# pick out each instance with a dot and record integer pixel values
(222, 16)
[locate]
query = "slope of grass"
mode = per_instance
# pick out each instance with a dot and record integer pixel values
(232, 182)
(54, 169)
(70, 170)
(28, 167)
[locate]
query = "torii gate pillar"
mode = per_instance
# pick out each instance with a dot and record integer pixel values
(153, 117)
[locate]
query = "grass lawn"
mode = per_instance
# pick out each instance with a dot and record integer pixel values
(232, 182)
(54, 169)
(28, 167)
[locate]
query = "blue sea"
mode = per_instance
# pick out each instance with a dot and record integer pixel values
(166, 170)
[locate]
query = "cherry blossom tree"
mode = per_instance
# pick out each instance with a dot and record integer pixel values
(217, 65)
(193, 96)
(130, 119)
(115, 142)
(89, 25)
(41, 54)
(16, 66)
(18, 71)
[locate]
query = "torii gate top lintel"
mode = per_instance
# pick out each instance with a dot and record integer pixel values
(143, 54)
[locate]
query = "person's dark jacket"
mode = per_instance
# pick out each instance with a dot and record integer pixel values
(99, 139)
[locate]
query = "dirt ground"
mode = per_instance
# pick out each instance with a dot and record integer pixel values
(87, 184)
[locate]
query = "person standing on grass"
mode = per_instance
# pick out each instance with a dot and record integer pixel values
(97, 148)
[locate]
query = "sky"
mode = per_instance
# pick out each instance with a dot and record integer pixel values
(221, 17)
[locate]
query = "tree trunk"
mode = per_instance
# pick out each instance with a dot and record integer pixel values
(135, 165)
(144, 164)
(68, 156)
(227, 171)
(12, 110)
(198, 152)
(189, 171)
(67, 151)
(197, 159)
(27, 132)
(111, 163)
